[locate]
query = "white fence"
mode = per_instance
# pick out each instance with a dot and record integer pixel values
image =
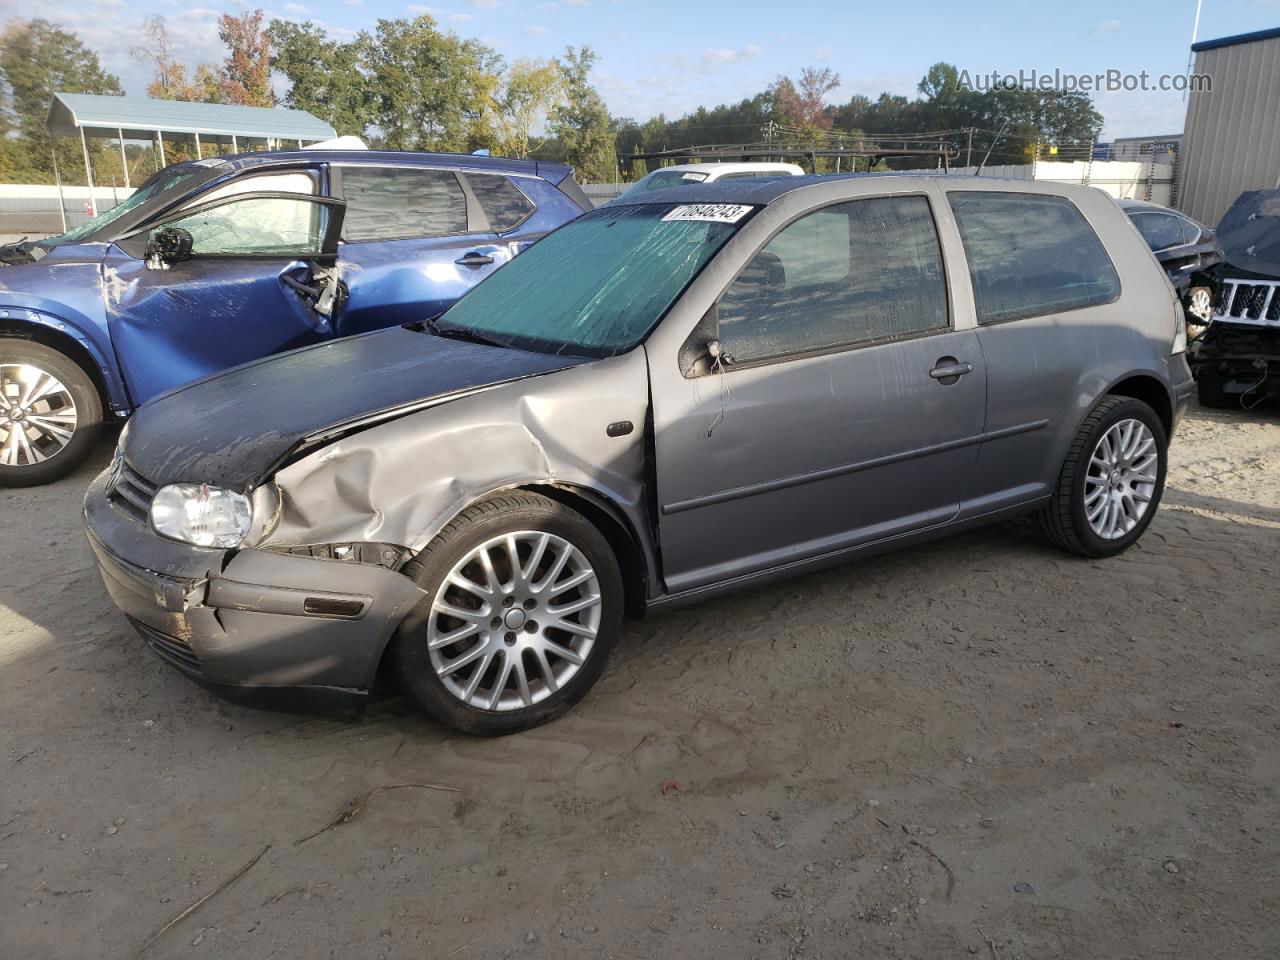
(33, 208)
(1125, 180)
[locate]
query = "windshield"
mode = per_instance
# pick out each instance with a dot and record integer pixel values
(1250, 232)
(157, 184)
(599, 284)
(662, 179)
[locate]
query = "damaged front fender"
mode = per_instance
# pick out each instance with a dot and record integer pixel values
(402, 481)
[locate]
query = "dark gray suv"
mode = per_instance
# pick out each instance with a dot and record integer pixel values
(697, 391)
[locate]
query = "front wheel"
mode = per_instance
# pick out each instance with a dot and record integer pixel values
(1111, 481)
(50, 414)
(524, 603)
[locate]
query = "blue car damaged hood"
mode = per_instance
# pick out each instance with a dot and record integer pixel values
(233, 429)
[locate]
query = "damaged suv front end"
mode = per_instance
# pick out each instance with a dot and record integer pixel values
(1237, 360)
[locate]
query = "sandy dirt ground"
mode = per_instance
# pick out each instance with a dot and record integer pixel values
(977, 747)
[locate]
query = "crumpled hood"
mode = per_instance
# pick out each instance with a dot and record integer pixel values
(1250, 232)
(231, 429)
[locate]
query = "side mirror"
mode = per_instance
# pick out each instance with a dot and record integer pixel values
(168, 245)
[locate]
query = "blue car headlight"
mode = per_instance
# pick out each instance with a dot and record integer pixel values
(202, 515)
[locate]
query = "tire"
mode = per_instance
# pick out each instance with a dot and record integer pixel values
(1210, 393)
(501, 638)
(1198, 305)
(1065, 520)
(38, 453)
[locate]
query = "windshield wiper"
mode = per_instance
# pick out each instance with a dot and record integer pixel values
(432, 326)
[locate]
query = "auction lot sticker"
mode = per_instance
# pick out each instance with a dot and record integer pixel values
(710, 212)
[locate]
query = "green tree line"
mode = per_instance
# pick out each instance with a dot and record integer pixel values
(406, 84)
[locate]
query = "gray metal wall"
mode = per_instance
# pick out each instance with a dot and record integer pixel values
(1232, 137)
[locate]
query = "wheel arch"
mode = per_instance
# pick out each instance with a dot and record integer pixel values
(613, 524)
(1151, 391)
(78, 349)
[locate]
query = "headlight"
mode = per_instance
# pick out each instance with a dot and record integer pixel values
(202, 515)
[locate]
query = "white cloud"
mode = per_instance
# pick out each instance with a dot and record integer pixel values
(577, 3)
(1104, 27)
(535, 30)
(721, 55)
(354, 3)
(822, 54)
(459, 17)
(484, 4)
(418, 10)
(296, 8)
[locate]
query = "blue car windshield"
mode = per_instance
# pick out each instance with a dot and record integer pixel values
(597, 286)
(159, 183)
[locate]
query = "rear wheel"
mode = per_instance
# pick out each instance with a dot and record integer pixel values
(524, 605)
(1111, 481)
(50, 414)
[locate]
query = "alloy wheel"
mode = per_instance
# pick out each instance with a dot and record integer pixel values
(1121, 479)
(514, 620)
(37, 415)
(1200, 304)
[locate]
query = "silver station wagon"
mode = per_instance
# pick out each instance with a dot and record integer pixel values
(699, 390)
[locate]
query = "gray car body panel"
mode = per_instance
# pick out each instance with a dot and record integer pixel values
(727, 478)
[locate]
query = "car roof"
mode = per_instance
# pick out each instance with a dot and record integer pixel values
(459, 161)
(765, 190)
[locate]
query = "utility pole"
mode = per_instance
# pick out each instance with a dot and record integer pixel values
(1195, 32)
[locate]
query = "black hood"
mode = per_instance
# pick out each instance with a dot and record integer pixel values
(232, 429)
(1250, 233)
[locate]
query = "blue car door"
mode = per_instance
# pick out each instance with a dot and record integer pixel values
(229, 279)
(414, 240)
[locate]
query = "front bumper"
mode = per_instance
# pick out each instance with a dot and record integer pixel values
(242, 623)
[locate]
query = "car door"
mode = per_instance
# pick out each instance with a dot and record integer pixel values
(414, 241)
(231, 279)
(847, 406)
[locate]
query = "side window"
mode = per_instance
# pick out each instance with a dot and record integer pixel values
(857, 271)
(1190, 231)
(1030, 254)
(392, 203)
(502, 202)
(1160, 230)
(257, 226)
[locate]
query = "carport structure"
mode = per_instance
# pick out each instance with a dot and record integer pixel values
(201, 125)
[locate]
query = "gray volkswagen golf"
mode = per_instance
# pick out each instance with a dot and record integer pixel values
(697, 391)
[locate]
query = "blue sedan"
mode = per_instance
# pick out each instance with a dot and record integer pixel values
(221, 261)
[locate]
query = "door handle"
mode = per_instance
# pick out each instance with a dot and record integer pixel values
(948, 370)
(474, 259)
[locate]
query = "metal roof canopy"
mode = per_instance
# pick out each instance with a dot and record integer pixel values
(142, 118)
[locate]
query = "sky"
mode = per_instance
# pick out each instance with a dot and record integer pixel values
(658, 56)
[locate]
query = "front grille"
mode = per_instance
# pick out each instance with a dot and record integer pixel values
(130, 492)
(1248, 301)
(170, 649)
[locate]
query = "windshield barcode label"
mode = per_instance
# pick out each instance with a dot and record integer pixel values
(711, 212)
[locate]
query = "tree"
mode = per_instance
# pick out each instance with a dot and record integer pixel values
(171, 81)
(582, 121)
(803, 104)
(37, 60)
(531, 90)
(246, 74)
(326, 77)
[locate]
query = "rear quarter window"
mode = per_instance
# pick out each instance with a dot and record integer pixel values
(1030, 255)
(502, 201)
